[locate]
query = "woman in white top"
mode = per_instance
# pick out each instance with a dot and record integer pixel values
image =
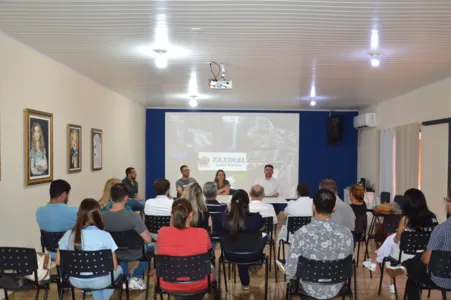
(302, 207)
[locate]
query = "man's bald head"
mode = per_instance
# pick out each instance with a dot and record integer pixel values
(257, 192)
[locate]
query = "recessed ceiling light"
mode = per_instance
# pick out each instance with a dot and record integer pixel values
(312, 103)
(193, 102)
(195, 28)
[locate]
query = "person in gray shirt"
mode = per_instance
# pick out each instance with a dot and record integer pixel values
(343, 214)
(119, 219)
(322, 239)
(184, 181)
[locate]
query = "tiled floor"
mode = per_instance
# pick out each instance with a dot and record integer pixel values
(366, 287)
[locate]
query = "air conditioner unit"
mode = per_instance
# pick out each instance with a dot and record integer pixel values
(365, 120)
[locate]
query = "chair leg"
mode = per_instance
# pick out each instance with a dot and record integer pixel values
(225, 277)
(266, 277)
(443, 295)
(396, 289)
(6, 294)
(278, 249)
(121, 290)
(147, 282)
(230, 271)
(234, 272)
(358, 254)
(355, 281)
(73, 293)
(127, 291)
(429, 293)
(46, 292)
(270, 254)
(382, 277)
(218, 281)
(37, 293)
(275, 265)
(84, 295)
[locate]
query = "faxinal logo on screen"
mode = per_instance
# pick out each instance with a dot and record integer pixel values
(227, 161)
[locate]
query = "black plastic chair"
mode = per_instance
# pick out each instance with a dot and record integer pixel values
(385, 197)
(131, 240)
(270, 230)
(359, 233)
(322, 272)
(439, 265)
(49, 242)
(183, 270)
(390, 225)
(216, 222)
(98, 263)
(16, 263)
(293, 225)
(154, 223)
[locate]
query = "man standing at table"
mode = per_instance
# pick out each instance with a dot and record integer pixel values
(184, 180)
(269, 183)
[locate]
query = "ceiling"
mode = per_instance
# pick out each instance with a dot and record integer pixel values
(271, 49)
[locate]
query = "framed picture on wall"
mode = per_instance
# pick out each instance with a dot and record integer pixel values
(73, 148)
(96, 151)
(38, 147)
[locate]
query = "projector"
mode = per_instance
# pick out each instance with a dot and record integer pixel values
(220, 84)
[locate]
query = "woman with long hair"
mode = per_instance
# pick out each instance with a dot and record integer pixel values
(416, 218)
(181, 239)
(38, 153)
(88, 235)
(222, 183)
(201, 217)
(105, 201)
(239, 220)
(356, 195)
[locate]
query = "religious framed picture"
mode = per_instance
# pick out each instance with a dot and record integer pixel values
(38, 147)
(73, 148)
(96, 151)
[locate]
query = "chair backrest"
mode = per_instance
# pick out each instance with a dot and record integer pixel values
(413, 242)
(324, 271)
(154, 223)
(400, 200)
(216, 222)
(126, 240)
(183, 269)
(361, 223)
(22, 261)
(269, 226)
(296, 223)
(95, 263)
(440, 264)
(49, 240)
(390, 223)
(244, 243)
(385, 197)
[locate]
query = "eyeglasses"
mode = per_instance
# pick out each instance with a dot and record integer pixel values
(447, 199)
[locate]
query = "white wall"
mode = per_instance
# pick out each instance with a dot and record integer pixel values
(30, 80)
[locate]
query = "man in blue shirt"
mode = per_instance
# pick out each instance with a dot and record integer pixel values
(57, 216)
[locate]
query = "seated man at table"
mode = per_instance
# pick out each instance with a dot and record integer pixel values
(343, 214)
(131, 184)
(183, 181)
(322, 239)
(118, 219)
(269, 183)
(257, 205)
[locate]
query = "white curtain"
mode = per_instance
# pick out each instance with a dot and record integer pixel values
(386, 162)
(407, 157)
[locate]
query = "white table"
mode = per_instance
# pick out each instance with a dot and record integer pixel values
(271, 200)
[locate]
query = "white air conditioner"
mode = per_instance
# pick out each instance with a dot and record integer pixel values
(365, 120)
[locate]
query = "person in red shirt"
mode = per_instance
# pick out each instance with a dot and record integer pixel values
(183, 240)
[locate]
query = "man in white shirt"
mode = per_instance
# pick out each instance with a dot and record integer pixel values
(162, 204)
(343, 215)
(270, 184)
(258, 206)
(302, 207)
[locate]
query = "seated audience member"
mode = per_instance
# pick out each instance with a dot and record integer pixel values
(416, 218)
(162, 204)
(183, 240)
(183, 181)
(57, 216)
(343, 214)
(132, 186)
(222, 183)
(322, 239)
(416, 267)
(201, 217)
(302, 207)
(258, 206)
(239, 220)
(356, 195)
(210, 192)
(88, 235)
(119, 219)
(105, 201)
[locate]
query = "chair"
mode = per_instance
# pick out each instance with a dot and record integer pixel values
(270, 228)
(216, 221)
(16, 263)
(98, 263)
(400, 200)
(293, 225)
(154, 223)
(411, 243)
(439, 266)
(49, 241)
(131, 240)
(385, 197)
(321, 271)
(361, 224)
(183, 270)
(390, 225)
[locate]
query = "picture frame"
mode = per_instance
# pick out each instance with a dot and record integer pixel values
(38, 147)
(96, 149)
(74, 148)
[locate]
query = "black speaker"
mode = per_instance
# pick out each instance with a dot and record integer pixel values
(335, 129)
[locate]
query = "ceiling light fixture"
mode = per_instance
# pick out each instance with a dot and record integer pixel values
(313, 91)
(313, 102)
(374, 39)
(375, 61)
(193, 102)
(161, 61)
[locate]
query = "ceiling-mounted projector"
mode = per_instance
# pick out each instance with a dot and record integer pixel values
(219, 83)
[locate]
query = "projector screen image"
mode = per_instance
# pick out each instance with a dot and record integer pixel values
(240, 144)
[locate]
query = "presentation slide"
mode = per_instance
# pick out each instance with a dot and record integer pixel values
(241, 144)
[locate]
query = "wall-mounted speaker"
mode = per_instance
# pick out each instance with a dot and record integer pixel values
(335, 129)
